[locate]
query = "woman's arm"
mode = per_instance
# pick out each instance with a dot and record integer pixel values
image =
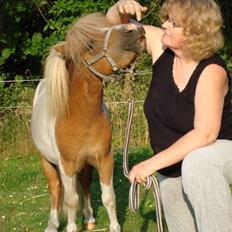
(209, 99)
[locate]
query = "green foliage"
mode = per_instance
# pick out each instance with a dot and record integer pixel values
(16, 94)
(5, 54)
(226, 53)
(151, 16)
(30, 27)
(18, 22)
(226, 9)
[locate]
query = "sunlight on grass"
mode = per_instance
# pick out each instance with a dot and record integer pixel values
(24, 198)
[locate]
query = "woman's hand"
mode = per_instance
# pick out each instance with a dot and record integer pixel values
(141, 171)
(131, 7)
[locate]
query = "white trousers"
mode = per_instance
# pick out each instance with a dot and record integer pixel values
(200, 200)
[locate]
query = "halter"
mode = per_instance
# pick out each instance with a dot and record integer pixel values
(105, 53)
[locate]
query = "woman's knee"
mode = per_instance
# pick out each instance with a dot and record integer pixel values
(195, 170)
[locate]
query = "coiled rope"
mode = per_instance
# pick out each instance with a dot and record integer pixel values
(151, 180)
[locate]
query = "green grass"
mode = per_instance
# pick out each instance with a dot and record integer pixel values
(24, 197)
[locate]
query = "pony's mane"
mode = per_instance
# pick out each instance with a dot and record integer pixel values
(88, 30)
(84, 33)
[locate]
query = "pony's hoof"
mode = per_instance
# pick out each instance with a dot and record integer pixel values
(71, 228)
(90, 226)
(115, 228)
(51, 228)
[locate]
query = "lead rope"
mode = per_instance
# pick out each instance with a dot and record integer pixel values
(151, 180)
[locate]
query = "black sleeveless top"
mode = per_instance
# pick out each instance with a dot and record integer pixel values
(170, 112)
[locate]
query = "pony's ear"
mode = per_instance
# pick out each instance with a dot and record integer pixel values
(60, 47)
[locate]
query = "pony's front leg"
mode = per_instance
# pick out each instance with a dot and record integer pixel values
(85, 178)
(71, 198)
(54, 185)
(108, 195)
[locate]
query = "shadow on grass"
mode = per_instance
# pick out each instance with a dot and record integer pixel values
(27, 188)
(121, 187)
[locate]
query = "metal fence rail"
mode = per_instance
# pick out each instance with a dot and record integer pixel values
(15, 122)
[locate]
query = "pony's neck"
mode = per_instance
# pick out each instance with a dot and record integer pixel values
(86, 93)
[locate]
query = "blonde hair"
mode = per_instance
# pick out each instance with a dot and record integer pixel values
(89, 28)
(201, 21)
(56, 78)
(86, 30)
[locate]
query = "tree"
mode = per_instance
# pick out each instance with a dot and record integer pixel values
(30, 27)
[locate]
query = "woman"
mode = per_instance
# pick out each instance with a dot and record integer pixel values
(188, 109)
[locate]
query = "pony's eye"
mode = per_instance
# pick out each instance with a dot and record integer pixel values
(129, 31)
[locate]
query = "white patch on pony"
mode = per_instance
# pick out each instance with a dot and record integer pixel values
(43, 126)
(88, 210)
(108, 199)
(71, 198)
(53, 223)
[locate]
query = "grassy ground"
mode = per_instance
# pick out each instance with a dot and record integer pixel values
(24, 198)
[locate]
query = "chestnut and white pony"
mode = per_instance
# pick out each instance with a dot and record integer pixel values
(69, 125)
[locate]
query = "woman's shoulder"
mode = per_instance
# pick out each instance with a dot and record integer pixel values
(214, 59)
(153, 40)
(214, 72)
(215, 64)
(217, 59)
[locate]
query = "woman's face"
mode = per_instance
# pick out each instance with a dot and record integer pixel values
(173, 33)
